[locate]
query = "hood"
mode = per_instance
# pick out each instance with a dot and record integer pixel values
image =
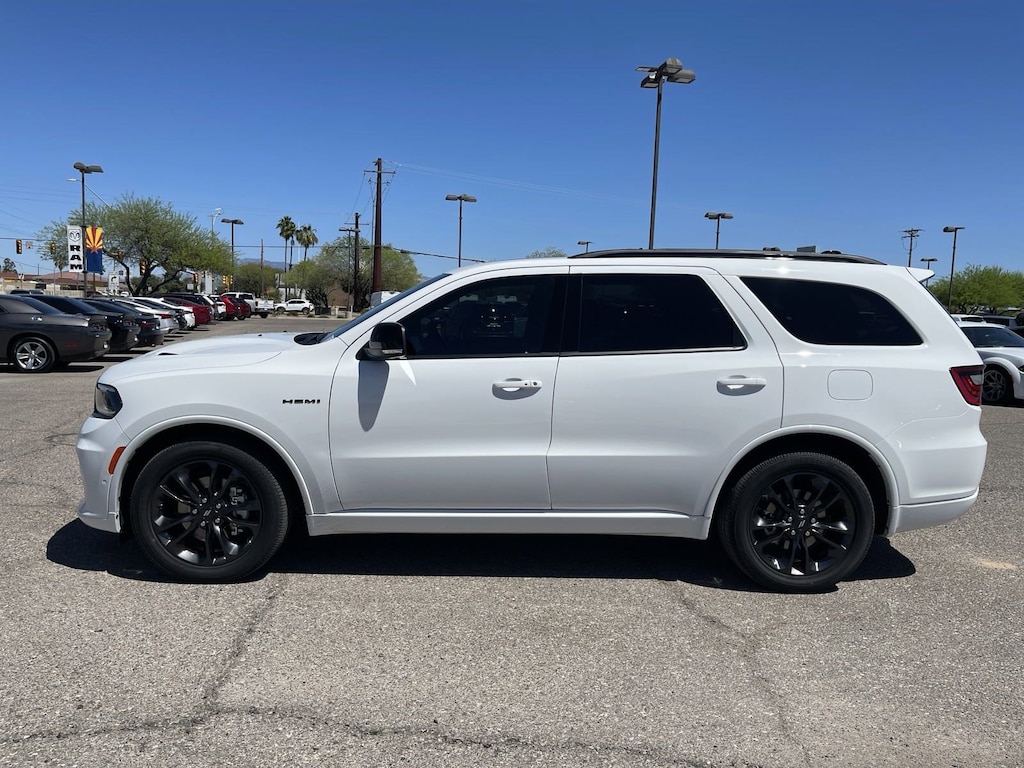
(220, 352)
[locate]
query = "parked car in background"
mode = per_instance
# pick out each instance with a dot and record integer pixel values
(1002, 351)
(168, 319)
(237, 309)
(792, 405)
(185, 317)
(203, 312)
(259, 306)
(302, 306)
(219, 305)
(124, 330)
(149, 335)
(34, 337)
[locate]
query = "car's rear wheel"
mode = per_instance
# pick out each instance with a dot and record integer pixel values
(997, 387)
(32, 354)
(207, 511)
(799, 522)
(278, 310)
(305, 310)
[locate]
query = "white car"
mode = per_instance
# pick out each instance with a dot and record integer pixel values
(294, 305)
(793, 405)
(168, 318)
(1002, 351)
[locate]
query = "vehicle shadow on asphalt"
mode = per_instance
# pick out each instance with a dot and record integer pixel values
(75, 545)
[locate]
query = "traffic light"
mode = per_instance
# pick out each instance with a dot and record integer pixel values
(53, 247)
(17, 246)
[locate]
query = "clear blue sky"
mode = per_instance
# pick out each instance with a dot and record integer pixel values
(826, 122)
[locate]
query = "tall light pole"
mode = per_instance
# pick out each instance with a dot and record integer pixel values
(928, 265)
(585, 244)
(952, 266)
(717, 218)
(214, 213)
(83, 169)
(672, 70)
(462, 199)
(232, 222)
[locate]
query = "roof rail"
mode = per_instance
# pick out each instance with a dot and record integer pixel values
(697, 253)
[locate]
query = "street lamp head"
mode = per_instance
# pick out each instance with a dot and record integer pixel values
(952, 229)
(83, 168)
(582, 242)
(463, 198)
(713, 215)
(671, 69)
(232, 221)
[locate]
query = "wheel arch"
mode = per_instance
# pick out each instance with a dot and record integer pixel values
(860, 459)
(222, 433)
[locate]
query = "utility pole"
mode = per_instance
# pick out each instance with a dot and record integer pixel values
(375, 283)
(356, 248)
(910, 235)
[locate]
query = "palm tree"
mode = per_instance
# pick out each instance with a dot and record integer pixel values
(307, 238)
(286, 229)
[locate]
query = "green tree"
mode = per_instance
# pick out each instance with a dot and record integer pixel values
(398, 270)
(980, 289)
(306, 237)
(548, 252)
(252, 278)
(286, 229)
(9, 265)
(147, 237)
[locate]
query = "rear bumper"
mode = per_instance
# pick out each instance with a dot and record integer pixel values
(913, 516)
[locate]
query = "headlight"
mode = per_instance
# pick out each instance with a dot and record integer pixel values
(106, 402)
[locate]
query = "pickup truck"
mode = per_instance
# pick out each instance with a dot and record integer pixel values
(261, 307)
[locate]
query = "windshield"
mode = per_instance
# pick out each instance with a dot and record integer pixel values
(987, 336)
(371, 312)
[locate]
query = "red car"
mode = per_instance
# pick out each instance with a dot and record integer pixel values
(237, 309)
(200, 310)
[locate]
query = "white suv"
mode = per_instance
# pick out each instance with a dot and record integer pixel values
(794, 405)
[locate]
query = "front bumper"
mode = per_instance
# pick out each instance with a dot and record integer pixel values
(97, 443)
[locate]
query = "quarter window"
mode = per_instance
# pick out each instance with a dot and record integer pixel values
(653, 313)
(833, 313)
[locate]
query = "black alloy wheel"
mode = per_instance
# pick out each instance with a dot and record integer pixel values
(996, 386)
(207, 511)
(800, 522)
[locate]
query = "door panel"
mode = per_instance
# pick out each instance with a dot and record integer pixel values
(671, 386)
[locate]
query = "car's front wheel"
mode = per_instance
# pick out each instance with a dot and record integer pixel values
(799, 522)
(996, 387)
(207, 511)
(33, 354)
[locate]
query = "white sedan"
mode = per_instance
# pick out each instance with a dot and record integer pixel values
(294, 305)
(1002, 351)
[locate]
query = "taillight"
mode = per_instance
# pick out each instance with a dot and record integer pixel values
(968, 380)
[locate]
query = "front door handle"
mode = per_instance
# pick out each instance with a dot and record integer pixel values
(516, 385)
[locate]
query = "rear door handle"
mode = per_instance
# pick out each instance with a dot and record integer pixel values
(514, 385)
(741, 385)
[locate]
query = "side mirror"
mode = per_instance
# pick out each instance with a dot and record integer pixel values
(387, 342)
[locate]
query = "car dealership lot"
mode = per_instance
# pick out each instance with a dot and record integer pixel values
(505, 651)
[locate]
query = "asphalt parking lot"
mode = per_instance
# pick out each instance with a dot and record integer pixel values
(516, 651)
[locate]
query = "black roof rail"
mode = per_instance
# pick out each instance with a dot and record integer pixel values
(697, 253)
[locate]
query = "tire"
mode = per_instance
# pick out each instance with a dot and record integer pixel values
(278, 310)
(305, 310)
(996, 386)
(32, 354)
(799, 522)
(207, 511)
(264, 315)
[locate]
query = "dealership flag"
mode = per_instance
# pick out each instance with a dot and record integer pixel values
(94, 250)
(76, 257)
